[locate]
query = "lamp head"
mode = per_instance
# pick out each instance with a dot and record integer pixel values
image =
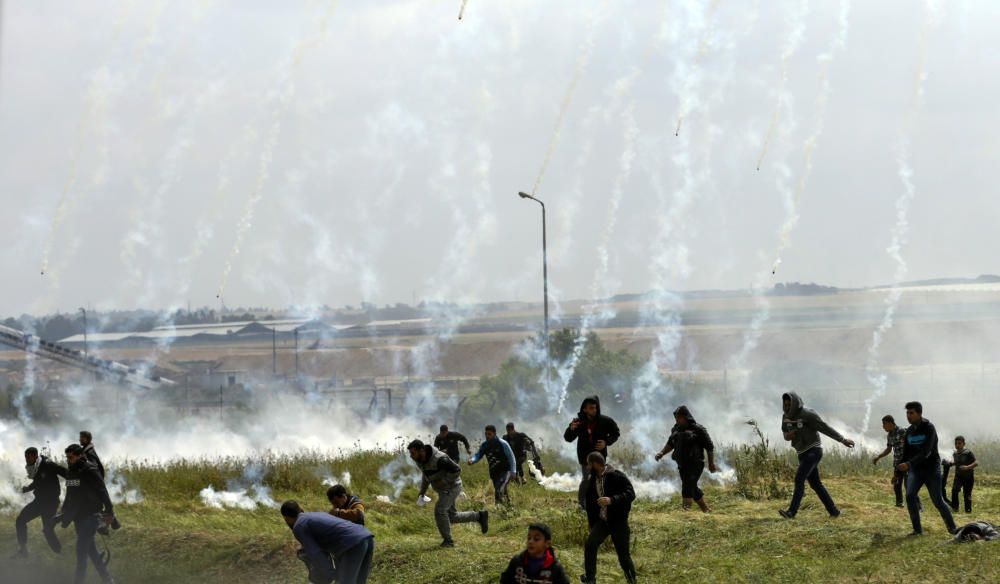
(524, 195)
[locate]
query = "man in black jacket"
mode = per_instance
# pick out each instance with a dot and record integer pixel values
(522, 444)
(923, 464)
(448, 442)
(689, 441)
(609, 501)
(44, 475)
(87, 506)
(593, 432)
(87, 442)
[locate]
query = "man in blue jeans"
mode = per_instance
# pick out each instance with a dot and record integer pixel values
(802, 426)
(922, 463)
(326, 539)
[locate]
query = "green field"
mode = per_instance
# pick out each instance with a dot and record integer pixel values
(173, 537)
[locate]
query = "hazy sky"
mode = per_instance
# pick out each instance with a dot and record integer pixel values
(375, 152)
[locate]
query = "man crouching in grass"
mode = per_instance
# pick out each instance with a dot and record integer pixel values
(327, 539)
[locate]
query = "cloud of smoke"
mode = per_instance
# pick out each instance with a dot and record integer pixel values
(900, 230)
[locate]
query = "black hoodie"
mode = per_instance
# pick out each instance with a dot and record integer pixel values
(689, 442)
(86, 494)
(589, 432)
(46, 483)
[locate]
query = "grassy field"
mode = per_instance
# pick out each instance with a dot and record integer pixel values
(173, 537)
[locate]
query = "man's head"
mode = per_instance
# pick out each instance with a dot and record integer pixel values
(290, 511)
(417, 451)
(86, 438)
(444, 430)
(337, 495)
(490, 432)
(73, 453)
(510, 427)
(888, 423)
(539, 539)
(959, 442)
(682, 416)
(786, 403)
(589, 408)
(914, 412)
(596, 463)
(31, 455)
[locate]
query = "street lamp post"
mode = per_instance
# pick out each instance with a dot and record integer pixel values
(84, 311)
(545, 291)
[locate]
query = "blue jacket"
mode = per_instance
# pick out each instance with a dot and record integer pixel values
(496, 451)
(322, 535)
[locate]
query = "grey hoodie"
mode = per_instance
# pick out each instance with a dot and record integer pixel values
(439, 471)
(806, 425)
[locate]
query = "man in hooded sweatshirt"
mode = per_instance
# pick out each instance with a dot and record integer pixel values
(802, 426)
(923, 464)
(593, 432)
(44, 475)
(689, 441)
(445, 476)
(609, 502)
(500, 458)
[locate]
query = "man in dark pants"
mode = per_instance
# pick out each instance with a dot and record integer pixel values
(44, 475)
(593, 432)
(448, 441)
(326, 539)
(923, 464)
(689, 441)
(609, 502)
(87, 442)
(965, 465)
(801, 426)
(87, 506)
(500, 458)
(445, 476)
(894, 443)
(521, 444)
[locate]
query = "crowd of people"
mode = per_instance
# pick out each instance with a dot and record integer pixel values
(87, 504)
(337, 546)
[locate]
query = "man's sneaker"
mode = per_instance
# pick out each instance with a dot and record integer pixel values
(21, 553)
(585, 580)
(447, 543)
(835, 514)
(900, 505)
(484, 521)
(785, 514)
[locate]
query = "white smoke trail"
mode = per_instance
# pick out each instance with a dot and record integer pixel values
(461, 11)
(603, 284)
(581, 66)
(285, 97)
(824, 61)
(689, 95)
(901, 227)
(796, 33)
(93, 120)
(599, 309)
